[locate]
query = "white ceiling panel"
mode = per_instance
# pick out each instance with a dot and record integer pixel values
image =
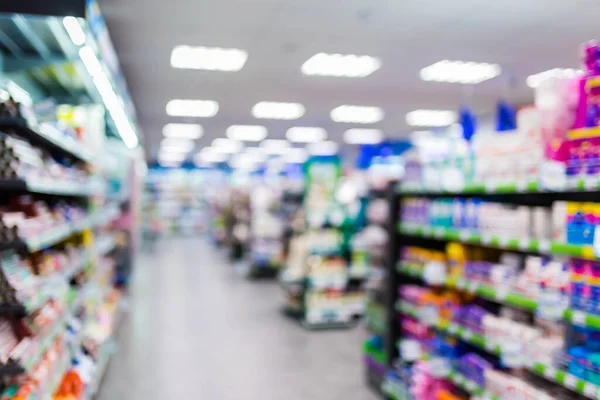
(524, 37)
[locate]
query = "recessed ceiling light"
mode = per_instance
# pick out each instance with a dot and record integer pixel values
(275, 146)
(171, 156)
(247, 133)
(348, 66)
(192, 108)
(535, 80)
(209, 155)
(244, 161)
(256, 153)
(460, 72)
(225, 145)
(363, 136)
(305, 134)
(74, 30)
(296, 156)
(183, 131)
(431, 118)
(357, 114)
(181, 145)
(275, 110)
(326, 148)
(208, 58)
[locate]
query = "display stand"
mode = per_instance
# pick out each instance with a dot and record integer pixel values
(436, 238)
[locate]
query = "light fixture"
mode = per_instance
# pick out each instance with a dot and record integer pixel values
(363, 136)
(192, 108)
(244, 161)
(275, 110)
(247, 133)
(74, 30)
(228, 146)
(326, 148)
(296, 156)
(181, 145)
(255, 153)
(357, 114)
(535, 80)
(208, 58)
(90, 61)
(348, 66)
(183, 131)
(112, 102)
(305, 134)
(170, 163)
(171, 156)
(460, 72)
(208, 155)
(275, 146)
(431, 118)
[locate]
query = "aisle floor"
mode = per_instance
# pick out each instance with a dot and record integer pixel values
(196, 330)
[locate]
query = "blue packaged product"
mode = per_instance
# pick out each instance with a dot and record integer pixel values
(577, 358)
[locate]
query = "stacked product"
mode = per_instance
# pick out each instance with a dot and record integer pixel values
(496, 281)
(552, 148)
(266, 230)
(54, 277)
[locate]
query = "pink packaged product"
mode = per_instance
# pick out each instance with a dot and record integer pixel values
(588, 108)
(424, 385)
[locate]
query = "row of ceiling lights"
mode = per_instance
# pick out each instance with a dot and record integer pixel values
(336, 65)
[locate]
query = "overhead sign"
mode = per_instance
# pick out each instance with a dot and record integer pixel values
(60, 8)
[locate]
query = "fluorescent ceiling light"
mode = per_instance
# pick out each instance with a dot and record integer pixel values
(244, 161)
(357, 114)
(326, 148)
(296, 156)
(183, 131)
(207, 155)
(192, 108)
(275, 146)
(171, 156)
(247, 133)
(208, 58)
(348, 66)
(431, 118)
(460, 72)
(305, 134)
(363, 136)
(74, 30)
(255, 153)
(177, 144)
(535, 80)
(112, 102)
(225, 145)
(275, 110)
(90, 61)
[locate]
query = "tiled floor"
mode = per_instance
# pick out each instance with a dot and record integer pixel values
(197, 331)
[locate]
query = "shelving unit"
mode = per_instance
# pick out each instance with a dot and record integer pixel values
(86, 277)
(528, 193)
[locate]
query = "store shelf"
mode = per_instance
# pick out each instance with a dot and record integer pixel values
(451, 328)
(567, 380)
(470, 387)
(57, 330)
(577, 184)
(506, 297)
(482, 290)
(557, 376)
(499, 242)
(49, 238)
(57, 144)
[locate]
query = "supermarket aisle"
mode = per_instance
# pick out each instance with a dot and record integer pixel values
(198, 331)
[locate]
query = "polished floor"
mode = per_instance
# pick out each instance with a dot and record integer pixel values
(197, 331)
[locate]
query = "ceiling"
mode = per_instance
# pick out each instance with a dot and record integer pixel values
(524, 37)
